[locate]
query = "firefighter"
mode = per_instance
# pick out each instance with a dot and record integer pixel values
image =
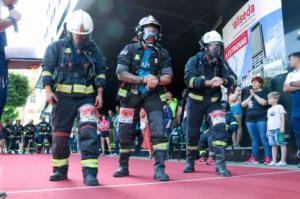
(28, 137)
(16, 137)
(77, 88)
(44, 136)
(8, 130)
(143, 69)
(206, 138)
(204, 75)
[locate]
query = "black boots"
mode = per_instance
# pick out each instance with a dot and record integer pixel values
(190, 166)
(3, 195)
(60, 173)
(192, 155)
(159, 168)
(122, 170)
(220, 162)
(90, 176)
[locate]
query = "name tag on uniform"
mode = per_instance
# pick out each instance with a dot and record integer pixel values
(126, 115)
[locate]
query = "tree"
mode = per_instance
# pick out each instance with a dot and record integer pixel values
(18, 91)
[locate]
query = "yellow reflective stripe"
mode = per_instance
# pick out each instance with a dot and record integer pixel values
(156, 61)
(122, 92)
(137, 57)
(219, 143)
(64, 88)
(47, 73)
(202, 152)
(102, 76)
(68, 50)
(192, 148)
(91, 163)
(214, 99)
(163, 97)
(59, 162)
(196, 97)
(77, 88)
(234, 123)
(191, 82)
(161, 146)
(125, 150)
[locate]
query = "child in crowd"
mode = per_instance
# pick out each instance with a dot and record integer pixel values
(275, 129)
(104, 133)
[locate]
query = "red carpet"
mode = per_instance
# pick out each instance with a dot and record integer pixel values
(26, 176)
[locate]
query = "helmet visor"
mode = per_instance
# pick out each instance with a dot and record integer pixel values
(214, 49)
(150, 34)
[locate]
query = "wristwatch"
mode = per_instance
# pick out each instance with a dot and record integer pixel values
(292, 84)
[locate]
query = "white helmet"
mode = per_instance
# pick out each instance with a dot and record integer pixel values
(80, 22)
(209, 37)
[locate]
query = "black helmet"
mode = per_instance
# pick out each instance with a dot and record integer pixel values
(225, 105)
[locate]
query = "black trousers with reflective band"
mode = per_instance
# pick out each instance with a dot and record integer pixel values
(195, 115)
(64, 113)
(154, 110)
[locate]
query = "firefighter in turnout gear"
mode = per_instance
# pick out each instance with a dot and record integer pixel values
(28, 137)
(44, 136)
(206, 138)
(143, 69)
(74, 78)
(16, 137)
(204, 75)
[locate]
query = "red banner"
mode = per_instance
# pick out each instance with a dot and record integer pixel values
(236, 45)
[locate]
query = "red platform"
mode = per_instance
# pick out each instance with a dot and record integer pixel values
(26, 176)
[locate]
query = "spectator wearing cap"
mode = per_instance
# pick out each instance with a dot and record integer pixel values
(256, 105)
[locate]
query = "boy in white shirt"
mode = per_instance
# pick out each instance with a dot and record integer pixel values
(275, 129)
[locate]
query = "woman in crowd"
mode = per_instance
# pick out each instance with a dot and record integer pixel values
(256, 119)
(235, 98)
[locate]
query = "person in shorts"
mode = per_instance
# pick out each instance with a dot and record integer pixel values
(275, 129)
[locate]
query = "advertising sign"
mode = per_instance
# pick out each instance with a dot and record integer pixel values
(254, 41)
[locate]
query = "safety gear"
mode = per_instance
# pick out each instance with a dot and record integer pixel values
(159, 168)
(3, 195)
(90, 176)
(123, 165)
(77, 74)
(150, 36)
(190, 166)
(143, 34)
(192, 155)
(212, 37)
(220, 162)
(225, 105)
(60, 173)
(80, 23)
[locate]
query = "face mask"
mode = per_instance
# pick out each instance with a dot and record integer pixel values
(81, 41)
(150, 35)
(214, 51)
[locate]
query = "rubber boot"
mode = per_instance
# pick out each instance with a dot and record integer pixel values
(159, 165)
(220, 162)
(60, 173)
(3, 195)
(190, 161)
(90, 176)
(122, 170)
